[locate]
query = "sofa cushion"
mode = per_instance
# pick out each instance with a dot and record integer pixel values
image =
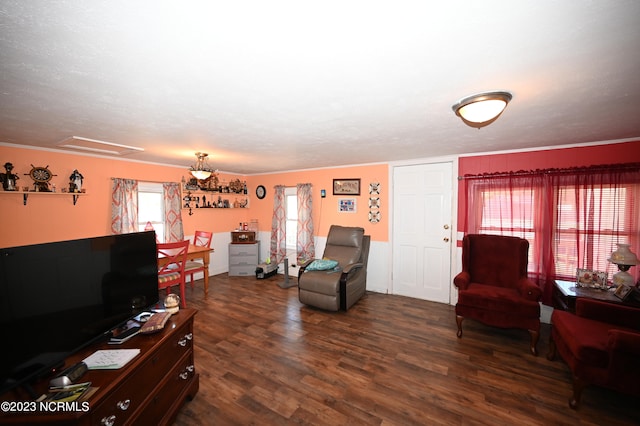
(586, 339)
(498, 299)
(165, 278)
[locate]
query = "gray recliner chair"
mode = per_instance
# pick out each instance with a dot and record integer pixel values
(339, 288)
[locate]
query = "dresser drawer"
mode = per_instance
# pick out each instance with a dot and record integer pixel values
(243, 260)
(239, 270)
(129, 396)
(170, 389)
(243, 249)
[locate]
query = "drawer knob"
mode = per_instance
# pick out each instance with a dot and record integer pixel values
(182, 342)
(189, 336)
(190, 368)
(108, 421)
(184, 375)
(124, 405)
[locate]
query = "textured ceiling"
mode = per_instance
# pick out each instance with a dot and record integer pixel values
(268, 86)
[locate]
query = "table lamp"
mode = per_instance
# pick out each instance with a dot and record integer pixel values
(625, 259)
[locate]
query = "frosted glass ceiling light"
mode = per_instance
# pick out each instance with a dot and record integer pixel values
(201, 169)
(482, 109)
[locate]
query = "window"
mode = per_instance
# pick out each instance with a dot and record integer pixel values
(151, 208)
(511, 215)
(597, 218)
(291, 203)
(570, 220)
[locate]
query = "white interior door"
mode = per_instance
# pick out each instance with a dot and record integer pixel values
(422, 231)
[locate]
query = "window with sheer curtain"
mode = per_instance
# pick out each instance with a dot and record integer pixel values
(572, 218)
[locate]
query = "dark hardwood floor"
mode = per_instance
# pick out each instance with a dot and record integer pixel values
(266, 359)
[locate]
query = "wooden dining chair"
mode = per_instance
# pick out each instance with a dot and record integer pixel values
(202, 239)
(172, 272)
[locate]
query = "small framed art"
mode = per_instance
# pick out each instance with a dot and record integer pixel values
(589, 278)
(347, 205)
(623, 291)
(346, 187)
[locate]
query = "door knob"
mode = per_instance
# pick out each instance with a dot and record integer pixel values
(446, 239)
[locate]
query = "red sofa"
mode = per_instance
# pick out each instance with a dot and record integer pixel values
(601, 345)
(493, 287)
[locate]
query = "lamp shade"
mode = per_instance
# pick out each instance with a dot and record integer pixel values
(623, 256)
(201, 169)
(482, 109)
(200, 174)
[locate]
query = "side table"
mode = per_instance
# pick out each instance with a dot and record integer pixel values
(566, 292)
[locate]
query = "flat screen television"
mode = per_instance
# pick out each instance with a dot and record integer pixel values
(56, 298)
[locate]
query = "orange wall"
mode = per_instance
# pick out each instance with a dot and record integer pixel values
(55, 218)
(46, 218)
(325, 210)
(628, 152)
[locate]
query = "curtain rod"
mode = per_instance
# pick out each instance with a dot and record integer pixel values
(567, 170)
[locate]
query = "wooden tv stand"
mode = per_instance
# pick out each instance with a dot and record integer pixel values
(150, 389)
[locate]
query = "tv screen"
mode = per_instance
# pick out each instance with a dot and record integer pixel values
(57, 297)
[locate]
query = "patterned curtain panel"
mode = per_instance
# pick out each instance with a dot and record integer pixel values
(305, 248)
(278, 248)
(124, 206)
(173, 230)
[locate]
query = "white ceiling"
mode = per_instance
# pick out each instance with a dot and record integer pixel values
(268, 86)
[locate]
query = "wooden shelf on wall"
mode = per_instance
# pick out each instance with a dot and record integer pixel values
(25, 195)
(193, 200)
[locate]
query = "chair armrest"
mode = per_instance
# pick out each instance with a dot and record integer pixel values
(352, 267)
(624, 352)
(305, 263)
(303, 266)
(612, 313)
(529, 290)
(624, 341)
(462, 280)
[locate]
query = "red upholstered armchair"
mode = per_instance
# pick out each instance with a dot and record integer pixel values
(493, 287)
(601, 345)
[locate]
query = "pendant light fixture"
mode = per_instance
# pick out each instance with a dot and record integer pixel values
(482, 109)
(201, 169)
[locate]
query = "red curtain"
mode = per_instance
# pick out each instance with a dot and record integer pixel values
(572, 217)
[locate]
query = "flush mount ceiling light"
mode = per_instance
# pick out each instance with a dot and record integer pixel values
(482, 109)
(97, 146)
(201, 169)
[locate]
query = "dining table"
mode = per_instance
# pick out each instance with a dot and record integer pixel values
(194, 252)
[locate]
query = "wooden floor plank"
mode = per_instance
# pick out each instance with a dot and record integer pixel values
(266, 359)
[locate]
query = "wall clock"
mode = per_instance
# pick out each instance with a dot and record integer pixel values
(261, 192)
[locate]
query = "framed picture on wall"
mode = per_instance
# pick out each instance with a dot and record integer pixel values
(346, 187)
(347, 205)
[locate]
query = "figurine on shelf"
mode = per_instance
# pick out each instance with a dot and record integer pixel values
(75, 181)
(9, 178)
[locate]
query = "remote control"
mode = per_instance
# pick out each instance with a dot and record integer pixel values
(69, 376)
